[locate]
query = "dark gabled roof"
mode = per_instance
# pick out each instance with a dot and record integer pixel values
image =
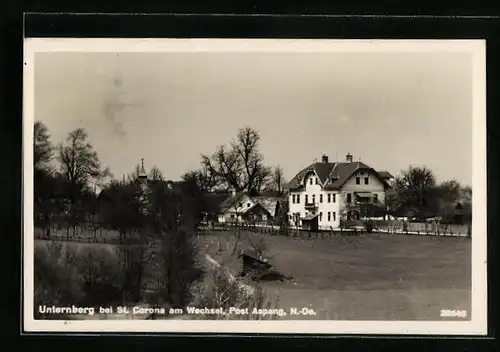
(269, 203)
(266, 200)
(270, 194)
(321, 169)
(385, 174)
(256, 205)
(411, 211)
(231, 200)
(338, 173)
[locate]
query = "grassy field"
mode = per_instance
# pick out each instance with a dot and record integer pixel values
(363, 277)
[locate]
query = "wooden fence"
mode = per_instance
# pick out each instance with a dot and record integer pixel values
(86, 233)
(90, 233)
(391, 227)
(421, 228)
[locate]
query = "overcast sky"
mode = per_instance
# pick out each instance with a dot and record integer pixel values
(389, 110)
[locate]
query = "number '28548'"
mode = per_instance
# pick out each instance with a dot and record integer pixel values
(449, 313)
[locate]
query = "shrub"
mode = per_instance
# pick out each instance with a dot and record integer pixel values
(102, 277)
(64, 277)
(220, 289)
(369, 226)
(181, 269)
(56, 278)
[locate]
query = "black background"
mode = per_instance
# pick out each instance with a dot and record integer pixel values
(313, 20)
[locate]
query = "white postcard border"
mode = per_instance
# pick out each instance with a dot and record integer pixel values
(476, 326)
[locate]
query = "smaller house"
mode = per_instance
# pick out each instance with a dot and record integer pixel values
(460, 214)
(243, 207)
(386, 176)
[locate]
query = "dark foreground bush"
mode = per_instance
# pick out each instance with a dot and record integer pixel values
(221, 290)
(102, 277)
(56, 278)
(181, 270)
(63, 277)
(369, 226)
(98, 276)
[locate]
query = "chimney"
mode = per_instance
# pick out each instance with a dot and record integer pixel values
(324, 159)
(348, 158)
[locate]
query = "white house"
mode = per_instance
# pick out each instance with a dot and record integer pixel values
(324, 192)
(241, 207)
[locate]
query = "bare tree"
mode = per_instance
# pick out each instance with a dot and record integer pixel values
(79, 163)
(277, 181)
(155, 174)
(240, 165)
(43, 150)
(205, 179)
(44, 178)
(246, 147)
(225, 164)
(80, 167)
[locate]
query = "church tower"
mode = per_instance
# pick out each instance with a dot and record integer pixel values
(143, 176)
(143, 184)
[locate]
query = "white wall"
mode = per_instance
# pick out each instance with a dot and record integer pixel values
(374, 185)
(322, 207)
(333, 208)
(245, 203)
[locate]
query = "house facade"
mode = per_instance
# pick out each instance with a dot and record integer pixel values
(241, 207)
(325, 192)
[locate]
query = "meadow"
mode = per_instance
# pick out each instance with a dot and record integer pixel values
(359, 277)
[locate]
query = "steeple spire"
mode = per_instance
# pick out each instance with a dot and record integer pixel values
(142, 170)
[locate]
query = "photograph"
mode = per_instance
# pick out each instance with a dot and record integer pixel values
(254, 186)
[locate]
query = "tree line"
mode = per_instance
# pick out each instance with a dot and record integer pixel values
(66, 176)
(158, 225)
(238, 165)
(68, 173)
(418, 192)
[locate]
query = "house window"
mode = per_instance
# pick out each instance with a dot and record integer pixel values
(333, 214)
(321, 198)
(314, 198)
(298, 198)
(329, 216)
(320, 216)
(361, 173)
(248, 205)
(348, 198)
(317, 182)
(311, 181)
(333, 198)
(232, 216)
(358, 180)
(307, 198)
(240, 205)
(293, 198)
(329, 198)
(366, 180)
(375, 198)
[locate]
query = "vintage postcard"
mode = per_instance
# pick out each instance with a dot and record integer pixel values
(255, 186)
